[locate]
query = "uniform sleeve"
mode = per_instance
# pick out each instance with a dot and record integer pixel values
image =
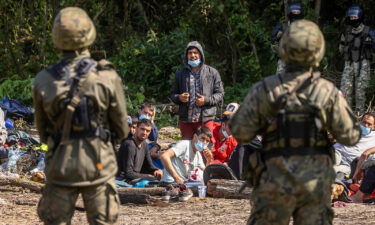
(343, 125)
(251, 116)
(117, 112)
(342, 44)
(40, 116)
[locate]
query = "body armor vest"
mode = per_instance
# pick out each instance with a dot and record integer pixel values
(296, 128)
(87, 119)
(354, 49)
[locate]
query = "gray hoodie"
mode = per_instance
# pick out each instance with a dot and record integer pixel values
(210, 80)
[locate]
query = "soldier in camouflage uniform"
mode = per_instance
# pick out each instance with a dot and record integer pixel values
(356, 45)
(79, 111)
(293, 112)
(295, 12)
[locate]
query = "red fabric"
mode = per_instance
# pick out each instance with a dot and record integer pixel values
(188, 129)
(353, 188)
(222, 149)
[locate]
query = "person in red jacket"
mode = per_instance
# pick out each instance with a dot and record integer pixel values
(224, 143)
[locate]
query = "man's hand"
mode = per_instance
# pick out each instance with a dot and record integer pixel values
(158, 174)
(178, 180)
(184, 97)
(199, 100)
(207, 155)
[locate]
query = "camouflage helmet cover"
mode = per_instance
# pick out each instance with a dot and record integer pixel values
(73, 29)
(302, 43)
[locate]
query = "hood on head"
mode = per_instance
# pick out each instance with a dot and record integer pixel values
(196, 45)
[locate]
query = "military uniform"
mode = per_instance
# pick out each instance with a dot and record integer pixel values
(81, 157)
(295, 12)
(293, 111)
(356, 45)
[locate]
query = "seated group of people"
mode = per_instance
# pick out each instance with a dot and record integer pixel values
(357, 162)
(139, 157)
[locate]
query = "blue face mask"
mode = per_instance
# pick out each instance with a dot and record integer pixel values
(200, 146)
(143, 116)
(365, 130)
(194, 63)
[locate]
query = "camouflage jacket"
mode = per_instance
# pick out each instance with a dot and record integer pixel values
(75, 163)
(255, 113)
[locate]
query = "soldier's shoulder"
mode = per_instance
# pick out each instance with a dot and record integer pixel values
(42, 77)
(106, 70)
(325, 84)
(269, 83)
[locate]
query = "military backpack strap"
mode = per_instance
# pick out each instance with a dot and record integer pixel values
(84, 68)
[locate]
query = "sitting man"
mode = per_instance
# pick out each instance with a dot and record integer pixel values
(185, 157)
(3, 130)
(345, 155)
(148, 111)
(224, 143)
(134, 158)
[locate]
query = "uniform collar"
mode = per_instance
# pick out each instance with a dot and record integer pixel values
(73, 55)
(359, 29)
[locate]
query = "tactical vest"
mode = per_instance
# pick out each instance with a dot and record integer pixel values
(86, 119)
(354, 49)
(296, 128)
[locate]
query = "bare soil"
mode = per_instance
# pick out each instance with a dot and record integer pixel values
(18, 206)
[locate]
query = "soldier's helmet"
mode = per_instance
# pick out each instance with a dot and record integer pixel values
(295, 11)
(73, 29)
(303, 44)
(354, 15)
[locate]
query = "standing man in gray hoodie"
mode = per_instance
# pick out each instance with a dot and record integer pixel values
(197, 90)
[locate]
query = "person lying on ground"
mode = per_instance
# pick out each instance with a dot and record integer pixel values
(3, 130)
(185, 156)
(224, 142)
(135, 162)
(345, 155)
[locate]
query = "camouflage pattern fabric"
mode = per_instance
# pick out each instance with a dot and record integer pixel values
(302, 43)
(73, 29)
(299, 186)
(354, 82)
(101, 203)
(295, 186)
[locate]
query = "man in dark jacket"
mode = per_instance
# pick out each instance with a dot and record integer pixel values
(197, 90)
(134, 159)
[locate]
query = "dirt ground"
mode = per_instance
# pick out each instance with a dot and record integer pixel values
(18, 206)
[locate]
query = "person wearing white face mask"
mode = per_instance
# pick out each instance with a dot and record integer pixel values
(184, 157)
(224, 142)
(345, 155)
(197, 90)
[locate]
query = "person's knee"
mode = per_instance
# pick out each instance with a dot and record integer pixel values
(55, 207)
(102, 205)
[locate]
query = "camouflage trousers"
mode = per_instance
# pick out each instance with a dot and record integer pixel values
(280, 67)
(101, 202)
(354, 83)
(297, 187)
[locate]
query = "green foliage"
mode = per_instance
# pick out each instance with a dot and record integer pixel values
(17, 89)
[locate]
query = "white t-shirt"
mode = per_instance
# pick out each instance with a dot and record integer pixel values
(185, 160)
(349, 153)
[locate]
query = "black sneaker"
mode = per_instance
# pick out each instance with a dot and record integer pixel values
(169, 192)
(184, 193)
